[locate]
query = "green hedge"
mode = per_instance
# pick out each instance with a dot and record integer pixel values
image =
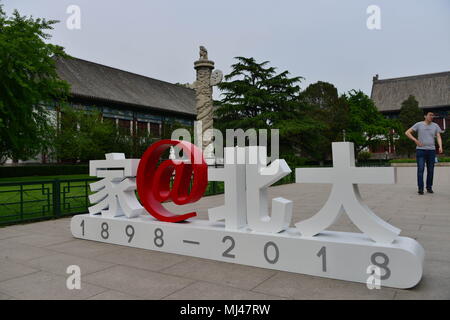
(443, 159)
(42, 170)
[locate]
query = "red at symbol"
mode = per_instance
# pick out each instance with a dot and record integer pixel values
(153, 184)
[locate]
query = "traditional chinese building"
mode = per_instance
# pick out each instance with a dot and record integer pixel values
(432, 91)
(132, 101)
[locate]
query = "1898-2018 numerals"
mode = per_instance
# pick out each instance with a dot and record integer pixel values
(271, 258)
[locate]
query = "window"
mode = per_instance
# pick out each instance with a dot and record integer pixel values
(440, 122)
(125, 126)
(154, 129)
(142, 128)
(110, 120)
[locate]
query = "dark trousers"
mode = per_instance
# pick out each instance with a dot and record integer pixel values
(425, 157)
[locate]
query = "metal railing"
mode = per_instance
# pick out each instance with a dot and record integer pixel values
(46, 199)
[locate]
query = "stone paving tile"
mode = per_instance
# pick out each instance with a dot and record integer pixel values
(45, 285)
(408, 213)
(38, 240)
(437, 254)
(211, 291)
(429, 288)
(298, 286)
(432, 229)
(59, 227)
(405, 226)
(437, 268)
(438, 217)
(413, 220)
(425, 235)
(113, 295)
(230, 274)
(8, 232)
(84, 248)
(10, 269)
(58, 263)
(143, 259)
(437, 222)
(5, 297)
(21, 252)
(138, 282)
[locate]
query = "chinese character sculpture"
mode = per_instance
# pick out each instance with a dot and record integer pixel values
(345, 196)
(115, 193)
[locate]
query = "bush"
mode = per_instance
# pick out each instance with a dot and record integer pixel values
(293, 161)
(364, 156)
(42, 170)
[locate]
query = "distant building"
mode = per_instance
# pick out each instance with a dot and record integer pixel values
(134, 102)
(130, 99)
(432, 91)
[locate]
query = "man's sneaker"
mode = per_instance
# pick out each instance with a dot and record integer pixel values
(420, 192)
(430, 190)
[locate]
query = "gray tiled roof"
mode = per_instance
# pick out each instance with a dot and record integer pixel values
(92, 80)
(430, 90)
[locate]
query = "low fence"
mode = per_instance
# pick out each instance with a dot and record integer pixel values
(48, 199)
(38, 200)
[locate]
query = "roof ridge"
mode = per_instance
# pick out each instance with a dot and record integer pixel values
(418, 76)
(135, 74)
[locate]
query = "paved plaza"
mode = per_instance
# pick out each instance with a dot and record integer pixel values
(34, 257)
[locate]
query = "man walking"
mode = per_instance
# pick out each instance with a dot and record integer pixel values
(427, 131)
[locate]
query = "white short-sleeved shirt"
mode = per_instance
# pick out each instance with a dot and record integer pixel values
(426, 134)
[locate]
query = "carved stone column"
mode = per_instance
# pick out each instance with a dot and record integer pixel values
(206, 79)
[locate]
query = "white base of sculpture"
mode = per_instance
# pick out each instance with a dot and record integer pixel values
(336, 255)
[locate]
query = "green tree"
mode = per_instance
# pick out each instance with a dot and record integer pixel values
(410, 113)
(366, 126)
(329, 110)
(253, 93)
(83, 136)
(28, 82)
(255, 96)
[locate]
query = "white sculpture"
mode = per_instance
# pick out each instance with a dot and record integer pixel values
(259, 177)
(234, 211)
(216, 77)
(249, 235)
(247, 177)
(345, 195)
(115, 194)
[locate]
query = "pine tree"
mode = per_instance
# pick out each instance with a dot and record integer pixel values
(256, 97)
(410, 113)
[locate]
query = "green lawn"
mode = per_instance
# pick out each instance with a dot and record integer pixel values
(31, 198)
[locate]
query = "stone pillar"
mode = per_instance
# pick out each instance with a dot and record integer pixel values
(206, 79)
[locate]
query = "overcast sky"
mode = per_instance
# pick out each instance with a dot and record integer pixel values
(325, 40)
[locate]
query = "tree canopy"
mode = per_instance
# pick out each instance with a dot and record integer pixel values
(28, 82)
(410, 113)
(256, 96)
(366, 126)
